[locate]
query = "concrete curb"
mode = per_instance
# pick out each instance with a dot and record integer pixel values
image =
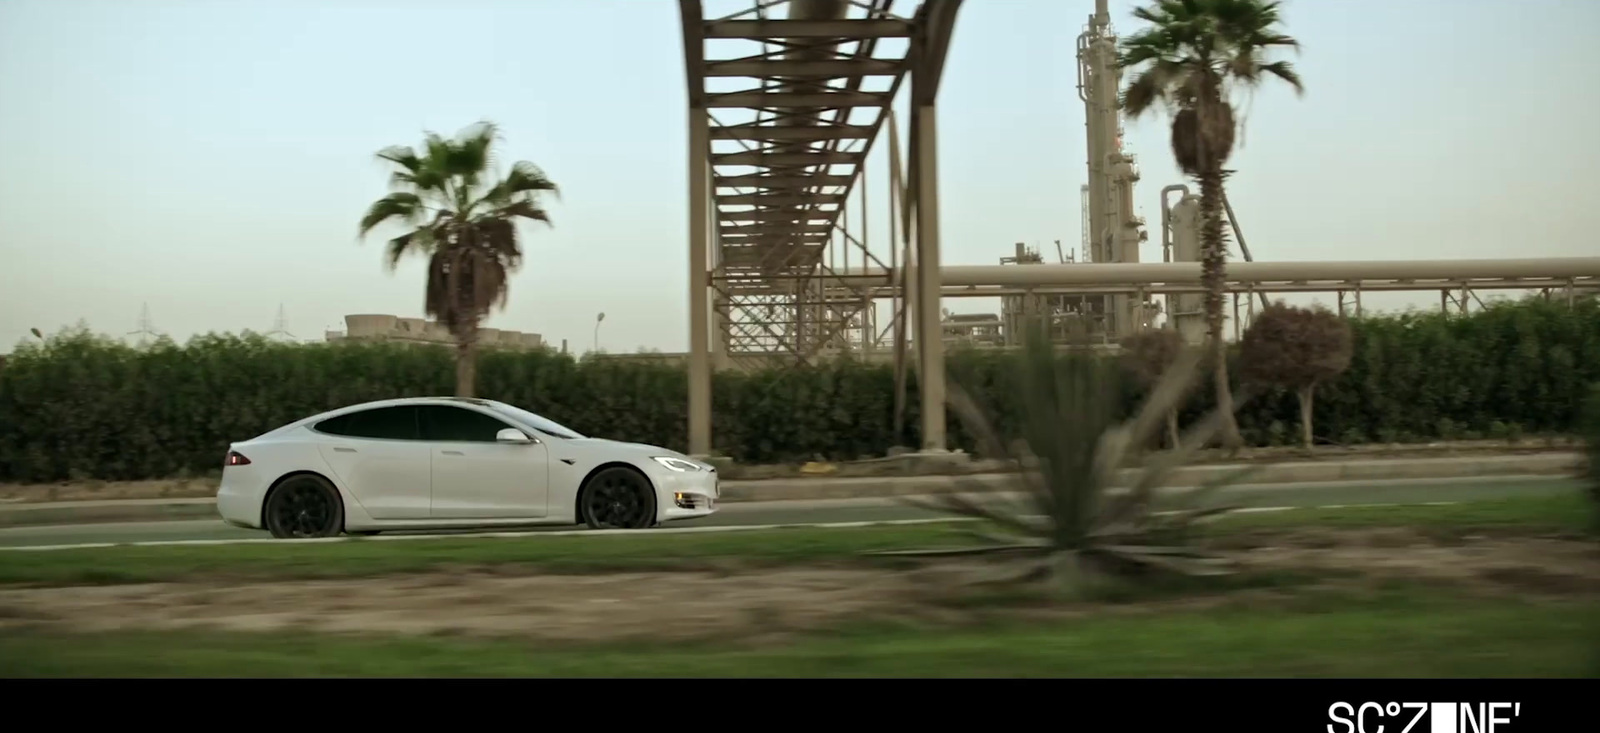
(812, 489)
(96, 512)
(1550, 464)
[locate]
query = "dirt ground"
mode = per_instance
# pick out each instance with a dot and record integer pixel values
(206, 487)
(683, 605)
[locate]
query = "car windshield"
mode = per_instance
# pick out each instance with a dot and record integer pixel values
(542, 424)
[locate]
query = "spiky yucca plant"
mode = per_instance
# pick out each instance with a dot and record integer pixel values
(1589, 431)
(1079, 517)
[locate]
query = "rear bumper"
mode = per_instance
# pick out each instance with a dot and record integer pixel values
(239, 497)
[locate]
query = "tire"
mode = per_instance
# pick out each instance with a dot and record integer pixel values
(618, 498)
(304, 507)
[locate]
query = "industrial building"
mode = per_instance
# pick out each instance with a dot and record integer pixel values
(379, 327)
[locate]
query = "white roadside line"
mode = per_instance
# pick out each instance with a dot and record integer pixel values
(764, 502)
(623, 532)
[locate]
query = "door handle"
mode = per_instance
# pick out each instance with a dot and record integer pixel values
(345, 450)
(453, 453)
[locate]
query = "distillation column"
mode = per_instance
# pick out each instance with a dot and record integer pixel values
(1093, 120)
(1127, 231)
(1186, 310)
(1114, 231)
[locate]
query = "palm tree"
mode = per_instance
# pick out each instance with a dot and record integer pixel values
(1189, 59)
(466, 222)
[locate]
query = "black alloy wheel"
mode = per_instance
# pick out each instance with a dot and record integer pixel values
(305, 507)
(619, 498)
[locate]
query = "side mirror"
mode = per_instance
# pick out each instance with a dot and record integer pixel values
(513, 435)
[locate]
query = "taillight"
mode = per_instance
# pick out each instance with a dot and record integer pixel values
(236, 459)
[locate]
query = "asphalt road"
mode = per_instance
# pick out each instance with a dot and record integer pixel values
(868, 510)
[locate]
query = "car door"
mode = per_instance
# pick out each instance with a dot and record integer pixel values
(379, 456)
(477, 477)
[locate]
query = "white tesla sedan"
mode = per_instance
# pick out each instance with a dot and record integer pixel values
(451, 463)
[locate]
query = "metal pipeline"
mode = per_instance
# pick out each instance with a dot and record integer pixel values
(1175, 272)
(1188, 273)
(1586, 285)
(804, 49)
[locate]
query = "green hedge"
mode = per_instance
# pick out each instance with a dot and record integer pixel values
(82, 406)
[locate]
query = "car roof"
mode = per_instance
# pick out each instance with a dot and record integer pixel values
(420, 400)
(404, 401)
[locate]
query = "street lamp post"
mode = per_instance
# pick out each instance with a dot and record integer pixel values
(597, 320)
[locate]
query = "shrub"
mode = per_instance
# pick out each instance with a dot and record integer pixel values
(1352, 436)
(1296, 348)
(83, 405)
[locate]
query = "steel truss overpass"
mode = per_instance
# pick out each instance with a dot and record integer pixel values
(786, 99)
(782, 114)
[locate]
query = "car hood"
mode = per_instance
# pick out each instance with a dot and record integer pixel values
(643, 448)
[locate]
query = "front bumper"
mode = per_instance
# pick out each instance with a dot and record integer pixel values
(688, 494)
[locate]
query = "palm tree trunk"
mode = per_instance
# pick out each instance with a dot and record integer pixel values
(1213, 263)
(467, 361)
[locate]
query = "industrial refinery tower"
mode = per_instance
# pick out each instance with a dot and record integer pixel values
(1112, 233)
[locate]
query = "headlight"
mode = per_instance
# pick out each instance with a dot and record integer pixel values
(677, 464)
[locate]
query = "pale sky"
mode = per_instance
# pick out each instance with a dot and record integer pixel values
(211, 158)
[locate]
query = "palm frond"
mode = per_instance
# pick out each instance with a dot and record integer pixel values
(972, 416)
(521, 210)
(405, 207)
(1002, 539)
(1169, 393)
(965, 505)
(469, 157)
(1192, 566)
(1175, 526)
(413, 241)
(1188, 56)
(526, 177)
(402, 156)
(958, 551)
(1285, 71)
(1209, 487)
(1156, 83)
(1193, 440)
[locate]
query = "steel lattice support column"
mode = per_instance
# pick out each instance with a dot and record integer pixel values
(929, 319)
(699, 282)
(929, 45)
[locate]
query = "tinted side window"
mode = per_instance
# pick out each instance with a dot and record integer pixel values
(388, 423)
(458, 425)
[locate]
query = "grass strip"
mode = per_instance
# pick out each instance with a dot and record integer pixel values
(1399, 634)
(647, 551)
